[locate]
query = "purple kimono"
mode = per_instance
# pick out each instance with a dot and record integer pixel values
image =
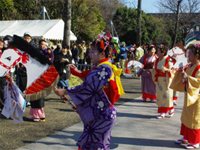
(148, 86)
(94, 109)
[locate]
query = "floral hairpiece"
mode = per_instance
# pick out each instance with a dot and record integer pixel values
(101, 38)
(197, 46)
(161, 46)
(152, 45)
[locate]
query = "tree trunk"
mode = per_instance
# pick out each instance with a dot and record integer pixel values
(177, 20)
(67, 21)
(1, 14)
(139, 23)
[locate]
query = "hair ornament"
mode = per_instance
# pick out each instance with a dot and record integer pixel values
(152, 45)
(107, 43)
(102, 44)
(197, 46)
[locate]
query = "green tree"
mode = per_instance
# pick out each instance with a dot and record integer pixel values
(5, 7)
(126, 24)
(156, 31)
(87, 21)
(30, 9)
(153, 29)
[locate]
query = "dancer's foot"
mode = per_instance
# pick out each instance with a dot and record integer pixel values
(175, 103)
(144, 100)
(181, 141)
(153, 101)
(162, 115)
(192, 146)
(171, 113)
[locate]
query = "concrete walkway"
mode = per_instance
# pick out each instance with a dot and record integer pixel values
(136, 129)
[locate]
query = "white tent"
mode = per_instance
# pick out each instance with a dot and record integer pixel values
(45, 29)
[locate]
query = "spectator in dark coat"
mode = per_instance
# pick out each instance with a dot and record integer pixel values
(75, 54)
(61, 61)
(2, 79)
(57, 50)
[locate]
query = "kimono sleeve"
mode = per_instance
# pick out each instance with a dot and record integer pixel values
(177, 83)
(194, 85)
(92, 85)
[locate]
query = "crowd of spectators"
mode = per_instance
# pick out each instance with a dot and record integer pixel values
(62, 56)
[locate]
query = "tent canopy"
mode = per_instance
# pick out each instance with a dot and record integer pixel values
(45, 29)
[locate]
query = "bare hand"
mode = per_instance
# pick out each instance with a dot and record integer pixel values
(60, 92)
(165, 69)
(64, 59)
(67, 60)
(73, 67)
(184, 74)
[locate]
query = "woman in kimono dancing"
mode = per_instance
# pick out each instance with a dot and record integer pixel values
(161, 74)
(148, 86)
(94, 99)
(188, 81)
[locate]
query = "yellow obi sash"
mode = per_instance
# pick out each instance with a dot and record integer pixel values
(116, 75)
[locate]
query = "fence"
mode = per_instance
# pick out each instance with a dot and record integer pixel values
(83, 67)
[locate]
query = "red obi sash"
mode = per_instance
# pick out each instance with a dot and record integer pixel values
(195, 71)
(159, 72)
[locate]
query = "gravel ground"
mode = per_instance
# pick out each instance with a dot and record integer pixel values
(58, 116)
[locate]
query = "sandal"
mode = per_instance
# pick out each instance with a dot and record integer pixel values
(162, 115)
(181, 141)
(192, 146)
(171, 113)
(153, 101)
(144, 100)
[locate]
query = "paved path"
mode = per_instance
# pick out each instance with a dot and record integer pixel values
(136, 129)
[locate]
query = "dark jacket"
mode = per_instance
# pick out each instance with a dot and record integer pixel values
(75, 53)
(61, 66)
(2, 85)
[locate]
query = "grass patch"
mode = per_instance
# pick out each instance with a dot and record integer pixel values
(74, 81)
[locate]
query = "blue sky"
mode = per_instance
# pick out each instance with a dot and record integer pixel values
(148, 6)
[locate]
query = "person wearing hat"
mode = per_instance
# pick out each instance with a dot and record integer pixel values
(27, 37)
(123, 56)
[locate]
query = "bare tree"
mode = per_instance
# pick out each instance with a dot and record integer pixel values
(129, 3)
(108, 9)
(191, 6)
(189, 10)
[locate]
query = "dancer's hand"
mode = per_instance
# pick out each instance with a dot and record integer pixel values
(8, 77)
(73, 67)
(165, 69)
(184, 75)
(60, 92)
